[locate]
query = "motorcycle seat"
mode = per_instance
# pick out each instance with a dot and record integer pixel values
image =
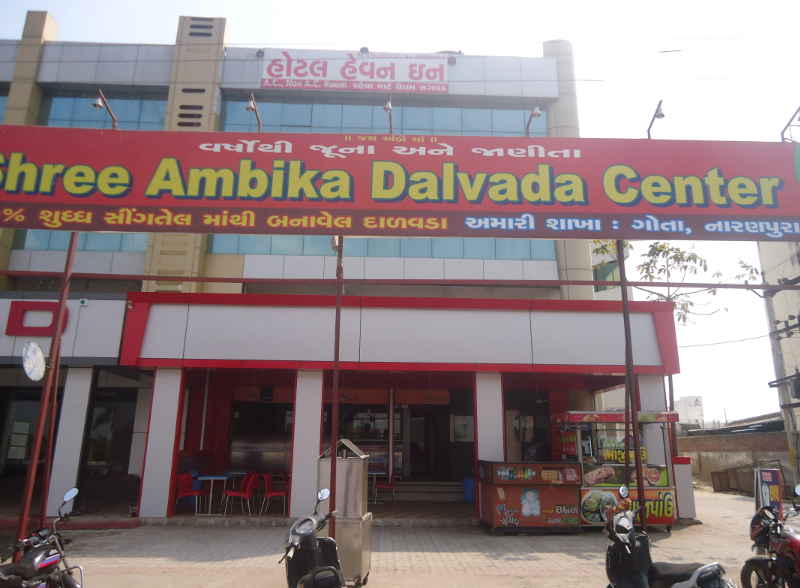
(664, 575)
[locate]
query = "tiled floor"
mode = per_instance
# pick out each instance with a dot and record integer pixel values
(445, 557)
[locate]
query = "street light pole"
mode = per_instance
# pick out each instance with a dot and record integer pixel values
(630, 390)
(335, 399)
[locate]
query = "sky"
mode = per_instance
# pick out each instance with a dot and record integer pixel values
(726, 71)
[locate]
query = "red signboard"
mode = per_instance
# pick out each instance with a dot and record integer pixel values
(398, 185)
(613, 417)
(597, 503)
(532, 506)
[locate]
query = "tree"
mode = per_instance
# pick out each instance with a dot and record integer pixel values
(665, 262)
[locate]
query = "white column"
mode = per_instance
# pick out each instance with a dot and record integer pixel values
(160, 449)
(69, 441)
(140, 421)
(651, 395)
(489, 416)
(306, 438)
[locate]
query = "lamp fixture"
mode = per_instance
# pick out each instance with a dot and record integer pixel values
(363, 50)
(535, 113)
(253, 107)
(101, 103)
(657, 114)
(387, 108)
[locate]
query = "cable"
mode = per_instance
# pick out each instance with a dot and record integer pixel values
(722, 342)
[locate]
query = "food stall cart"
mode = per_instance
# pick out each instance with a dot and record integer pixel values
(599, 446)
(528, 496)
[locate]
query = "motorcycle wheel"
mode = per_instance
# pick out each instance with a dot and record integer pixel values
(753, 576)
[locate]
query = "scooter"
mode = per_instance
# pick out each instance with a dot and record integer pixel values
(770, 533)
(312, 562)
(43, 563)
(629, 565)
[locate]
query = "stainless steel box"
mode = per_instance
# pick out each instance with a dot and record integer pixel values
(354, 543)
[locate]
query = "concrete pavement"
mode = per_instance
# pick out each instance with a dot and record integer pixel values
(444, 557)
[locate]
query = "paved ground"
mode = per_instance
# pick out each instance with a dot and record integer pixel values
(444, 557)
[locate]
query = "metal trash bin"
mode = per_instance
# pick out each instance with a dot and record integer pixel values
(353, 523)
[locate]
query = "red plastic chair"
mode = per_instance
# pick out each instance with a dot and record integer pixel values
(186, 489)
(270, 491)
(249, 485)
(387, 486)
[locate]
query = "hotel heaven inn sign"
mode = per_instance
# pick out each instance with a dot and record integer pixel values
(397, 185)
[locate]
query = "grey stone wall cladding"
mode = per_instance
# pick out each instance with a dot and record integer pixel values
(98, 63)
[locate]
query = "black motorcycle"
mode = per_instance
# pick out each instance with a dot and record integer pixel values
(43, 563)
(312, 562)
(629, 565)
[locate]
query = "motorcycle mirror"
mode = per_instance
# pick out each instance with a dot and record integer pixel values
(324, 494)
(797, 490)
(623, 491)
(71, 493)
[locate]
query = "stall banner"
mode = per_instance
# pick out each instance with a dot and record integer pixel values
(768, 489)
(527, 472)
(659, 505)
(613, 417)
(290, 69)
(378, 460)
(613, 475)
(530, 506)
(569, 442)
(397, 185)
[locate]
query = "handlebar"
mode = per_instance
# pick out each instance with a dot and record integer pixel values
(330, 515)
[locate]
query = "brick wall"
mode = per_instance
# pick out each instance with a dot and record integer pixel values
(761, 442)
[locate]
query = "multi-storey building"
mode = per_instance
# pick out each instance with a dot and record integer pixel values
(161, 377)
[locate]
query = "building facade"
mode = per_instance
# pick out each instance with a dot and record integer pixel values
(163, 377)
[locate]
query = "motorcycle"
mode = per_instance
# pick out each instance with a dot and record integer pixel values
(43, 563)
(312, 562)
(781, 564)
(629, 565)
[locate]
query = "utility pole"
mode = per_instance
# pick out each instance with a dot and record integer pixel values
(784, 388)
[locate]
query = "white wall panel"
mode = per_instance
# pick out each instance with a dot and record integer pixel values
(445, 336)
(157, 477)
(140, 424)
(463, 269)
(384, 268)
(423, 269)
(303, 267)
(306, 442)
(652, 393)
(489, 414)
(502, 269)
(6, 341)
(99, 328)
(268, 333)
(353, 268)
(263, 266)
(69, 440)
(540, 270)
(592, 338)
(165, 334)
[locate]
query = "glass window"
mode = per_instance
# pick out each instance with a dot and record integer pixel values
(415, 117)
(134, 242)
(255, 244)
(607, 271)
(287, 245)
(380, 119)
(59, 241)
(153, 111)
(103, 242)
(270, 113)
(416, 131)
(544, 250)
(357, 116)
(318, 245)
(3, 101)
(223, 244)
(415, 247)
(384, 247)
(355, 247)
(327, 115)
(61, 108)
(508, 121)
(478, 248)
(446, 119)
(512, 249)
(84, 110)
(448, 248)
(296, 115)
(476, 119)
(127, 110)
(295, 129)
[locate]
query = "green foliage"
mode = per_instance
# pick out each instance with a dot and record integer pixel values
(664, 262)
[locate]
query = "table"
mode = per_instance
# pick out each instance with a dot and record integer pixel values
(212, 479)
